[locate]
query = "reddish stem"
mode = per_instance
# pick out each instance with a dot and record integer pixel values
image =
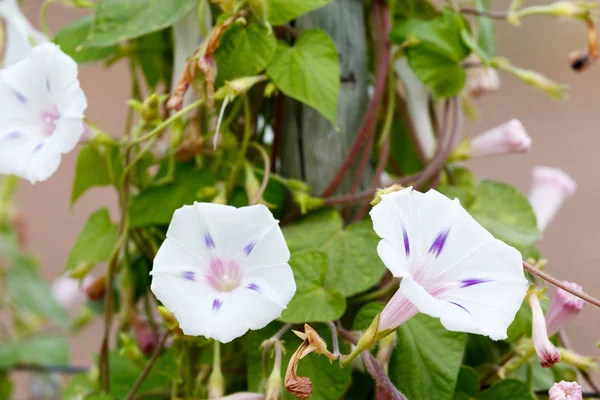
(367, 127)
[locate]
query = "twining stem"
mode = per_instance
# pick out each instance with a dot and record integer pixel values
(239, 164)
(160, 127)
(550, 279)
(44, 17)
(373, 367)
(334, 339)
(59, 369)
(266, 174)
(484, 13)
(149, 366)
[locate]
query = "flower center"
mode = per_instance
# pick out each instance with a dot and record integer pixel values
(224, 275)
(48, 117)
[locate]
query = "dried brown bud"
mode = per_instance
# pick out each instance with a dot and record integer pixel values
(316, 342)
(96, 289)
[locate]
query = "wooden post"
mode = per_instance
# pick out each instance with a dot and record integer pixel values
(310, 147)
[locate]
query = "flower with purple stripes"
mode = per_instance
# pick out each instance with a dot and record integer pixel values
(451, 267)
(41, 112)
(223, 270)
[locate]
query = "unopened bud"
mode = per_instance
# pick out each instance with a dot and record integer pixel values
(238, 86)
(536, 79)
(565, 391)
(306, 202)
(150, 110)
(96, 289)
(547, 354)
(507, 138)
(563, 308)
(578, 361)
(550, 187)
(567, 8)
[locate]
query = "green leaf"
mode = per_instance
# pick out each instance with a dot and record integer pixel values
(244, 51)
(153, 53)
(91, 170)
(403, 151)
(506, 213)
(354, 265)
(314, 300)
(463, 186)
(95, 242)
(328, 379)
(156, 205)
(119, 20)
(282, 11)
(521, 325)
(71, 39)
(442, 75)
(468, 381)
(366, 314)
(78, 387)
(427, 359)
(436, 58)
(32, 292)
(486, 27)
(508, 389)
(124, 373)
(309, 71)
(49, 350)
(416, 9)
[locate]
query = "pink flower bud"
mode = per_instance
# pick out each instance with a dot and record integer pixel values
(507, 138)
(69, 292)
(564, 308)
(565, 391)
(546, 352)
(549, 189)
(481, 80)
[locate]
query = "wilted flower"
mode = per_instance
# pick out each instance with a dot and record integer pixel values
(550, 187)
(563, 308)
(41, 113)
(223, 270)
(19, 33)
(565, 391)
(545, 350)
(451, 267)
(507, 138)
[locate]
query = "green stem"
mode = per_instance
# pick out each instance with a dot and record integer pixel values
(216, 383)
(239, 164)
(390, 287)
(389, 114)
(44, 17)
(149, 366)
(266, 174)
(160, 127)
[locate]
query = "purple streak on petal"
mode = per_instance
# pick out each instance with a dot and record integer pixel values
(406, 242)
(458, 305)
(471, 282)
(13, 135)
(20, 97)
(253, 286)
(189, 275)
(438, 244)
(208, 240)
(249, 247)
(38, 147)
(48, 84)
(216, 305)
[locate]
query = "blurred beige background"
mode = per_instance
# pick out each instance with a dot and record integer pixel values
(565, 135)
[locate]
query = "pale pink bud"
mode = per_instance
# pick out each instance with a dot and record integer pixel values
(564, 308)
(69, 292)
(481, 80)
(565, 391)
(549, 189)
(507, 138)
(545, 350)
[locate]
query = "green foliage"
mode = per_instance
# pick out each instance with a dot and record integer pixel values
(467, 383)
(309, 71)
(366, 314)
(416, 9)
(507, 390)
(5, 387)
(93, 169)
(353, 262)
(28, 288)
(486, 28)
(244, 51)
(437, 56)
(49, 350)
(71, 40)
(328, 379)
(156, 205)
(95, 241)
(314, 299)
(123, 372)
(282, 11)
(426, 363)
(506, 213)
(116, 20)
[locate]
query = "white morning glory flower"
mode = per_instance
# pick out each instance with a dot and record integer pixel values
(21, 36)
(451, 267)
(41, 113)
(223, 270)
